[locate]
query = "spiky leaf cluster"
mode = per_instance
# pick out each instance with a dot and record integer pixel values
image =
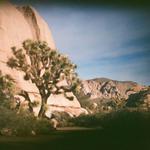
(44, 67)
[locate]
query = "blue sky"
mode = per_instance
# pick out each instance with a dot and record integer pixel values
(104, 41)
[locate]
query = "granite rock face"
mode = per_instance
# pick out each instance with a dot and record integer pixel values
(109, 89)
(16, 25)
(106, 95)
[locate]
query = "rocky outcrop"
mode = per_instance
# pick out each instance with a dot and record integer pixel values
(105, 95)
(140, 100)
(16, 25)
(103, 88)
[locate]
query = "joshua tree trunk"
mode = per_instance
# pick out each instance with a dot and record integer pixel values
(43, 108)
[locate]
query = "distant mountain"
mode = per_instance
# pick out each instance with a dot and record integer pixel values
(107, 88)
(103, 94)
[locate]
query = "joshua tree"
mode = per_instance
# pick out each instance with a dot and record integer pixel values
(45, 68)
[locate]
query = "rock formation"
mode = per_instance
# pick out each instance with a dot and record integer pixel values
(106, 88)
(102, 94)
(140, 100)
(16, 25)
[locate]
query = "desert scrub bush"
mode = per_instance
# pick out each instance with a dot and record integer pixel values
(13, 122)
(118, 122)
(99, 105)
(127, 119)
(42, 126)
(7, 90)
(91, 120)
(22, 124)
(62, 118)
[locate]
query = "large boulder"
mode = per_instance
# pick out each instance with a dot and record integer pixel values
(16, 25)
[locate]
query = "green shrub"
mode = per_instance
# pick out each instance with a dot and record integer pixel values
(22, 124)
(62, 118)
(42, 126)
(6, 90)
(119, 122)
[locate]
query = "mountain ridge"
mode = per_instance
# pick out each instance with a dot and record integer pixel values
(100, 87)
(108, 79)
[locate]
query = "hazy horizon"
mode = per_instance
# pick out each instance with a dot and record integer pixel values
(104, 41)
